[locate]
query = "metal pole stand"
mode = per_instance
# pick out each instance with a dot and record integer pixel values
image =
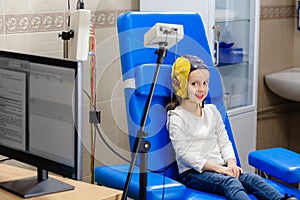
(66, 36)
(142, 146)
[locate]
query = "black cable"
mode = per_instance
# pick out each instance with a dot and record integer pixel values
(164, 183)
(87, 94)
(106, 143)
(168, 120)
(122, 157)
(80, 4)
(69, 8)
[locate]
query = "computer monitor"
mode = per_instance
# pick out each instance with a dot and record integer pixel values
(41, 119)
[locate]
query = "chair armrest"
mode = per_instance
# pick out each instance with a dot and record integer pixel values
(277, 162)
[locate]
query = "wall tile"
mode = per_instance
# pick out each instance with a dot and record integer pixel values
(32, 6)
(295, 127)
(37, 22)
(276, 49)
(86, 158)
(2, 42)
(111, 4)
(273, 132)
(276, 2)
(86, 83)
(46, 44)
(275, 53)
(296, 49)
(1, 24)
(86, 136)
(107, 41)
(2, 8)
(104, 19)
(108, 82)
(277, 12)
(113, 136)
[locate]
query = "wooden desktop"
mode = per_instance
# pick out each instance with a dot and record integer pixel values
(82, 190)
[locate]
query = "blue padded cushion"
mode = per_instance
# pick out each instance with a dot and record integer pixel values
(199, 195)
(278, 162)
(158, 186)
(144, 77)
(144, 74)
(172, 189)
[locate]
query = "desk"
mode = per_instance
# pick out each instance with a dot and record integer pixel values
(82, 190)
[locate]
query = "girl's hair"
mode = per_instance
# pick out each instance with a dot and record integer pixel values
(174, 103)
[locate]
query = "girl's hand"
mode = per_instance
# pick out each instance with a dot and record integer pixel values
(230, 170)
(236, 171)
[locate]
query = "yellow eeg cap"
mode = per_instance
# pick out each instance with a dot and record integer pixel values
(181, 70)
(180, 73)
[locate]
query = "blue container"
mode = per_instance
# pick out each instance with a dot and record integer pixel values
(230, 56)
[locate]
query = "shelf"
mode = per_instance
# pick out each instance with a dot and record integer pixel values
(232, 65)
(227, 15)
(232, 20)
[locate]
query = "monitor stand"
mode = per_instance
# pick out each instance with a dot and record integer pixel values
(35, 186)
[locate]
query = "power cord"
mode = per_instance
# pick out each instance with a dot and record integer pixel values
(95, 119)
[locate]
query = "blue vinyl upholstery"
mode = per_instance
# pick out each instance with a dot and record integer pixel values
(138, 67)
(281, 163)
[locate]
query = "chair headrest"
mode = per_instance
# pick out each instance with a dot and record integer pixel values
(144, 76)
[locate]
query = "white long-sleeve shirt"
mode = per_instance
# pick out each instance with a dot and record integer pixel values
(197, 140)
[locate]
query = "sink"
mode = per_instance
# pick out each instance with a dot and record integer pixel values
(285, 83)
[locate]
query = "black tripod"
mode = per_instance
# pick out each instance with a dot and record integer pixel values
(142, 146)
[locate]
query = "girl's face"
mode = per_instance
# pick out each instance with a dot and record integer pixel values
(198, 85)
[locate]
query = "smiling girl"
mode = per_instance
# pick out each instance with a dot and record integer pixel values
(204, 153)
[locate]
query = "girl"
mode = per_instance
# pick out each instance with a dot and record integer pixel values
(204, 153)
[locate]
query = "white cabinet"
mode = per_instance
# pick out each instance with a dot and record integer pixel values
(245, 138)
(232, 28)
(238, 24)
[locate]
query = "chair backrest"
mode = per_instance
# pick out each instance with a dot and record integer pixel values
(138, 68)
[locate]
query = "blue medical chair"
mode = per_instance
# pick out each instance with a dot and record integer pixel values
(138, 67)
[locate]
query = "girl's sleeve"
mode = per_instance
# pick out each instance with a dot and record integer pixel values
(223, 139)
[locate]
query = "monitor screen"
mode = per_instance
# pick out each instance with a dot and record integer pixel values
(40, 117)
